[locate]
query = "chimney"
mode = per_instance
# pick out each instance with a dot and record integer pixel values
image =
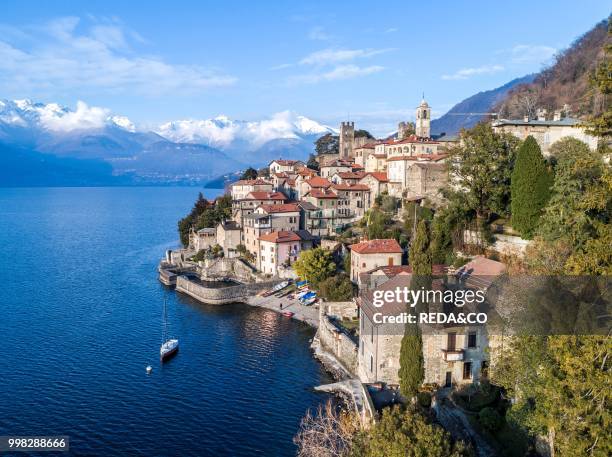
(541, 114)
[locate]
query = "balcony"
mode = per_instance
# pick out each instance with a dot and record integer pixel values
(454, 355)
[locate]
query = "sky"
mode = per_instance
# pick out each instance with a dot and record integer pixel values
(369, 62)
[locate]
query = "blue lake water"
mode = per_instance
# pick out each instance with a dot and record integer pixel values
(80, 320)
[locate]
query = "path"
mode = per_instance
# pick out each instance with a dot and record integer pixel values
(457, 424)
(308, 314)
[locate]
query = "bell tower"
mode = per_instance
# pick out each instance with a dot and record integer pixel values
(423, 119)
(347, 139)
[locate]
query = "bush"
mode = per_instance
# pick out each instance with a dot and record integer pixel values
(200, 255)
(336, 288)
(490, 419)
(424, 399)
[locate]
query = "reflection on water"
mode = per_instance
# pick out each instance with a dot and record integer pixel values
(82, 317)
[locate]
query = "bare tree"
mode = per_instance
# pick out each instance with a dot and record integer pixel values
(527, 103)
(328, 433)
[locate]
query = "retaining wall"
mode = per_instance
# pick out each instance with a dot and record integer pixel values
(334, 341)
(221, 296)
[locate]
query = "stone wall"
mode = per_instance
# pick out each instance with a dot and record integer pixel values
(220, 296)
(234, 268)
(503, 244)
(333, 339)
(340, 345)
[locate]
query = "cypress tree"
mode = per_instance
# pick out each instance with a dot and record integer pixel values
(530, 187)
(412, 366)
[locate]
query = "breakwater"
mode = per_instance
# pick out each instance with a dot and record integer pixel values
(238, 293)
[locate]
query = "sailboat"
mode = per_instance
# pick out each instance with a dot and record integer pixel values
(169, 346)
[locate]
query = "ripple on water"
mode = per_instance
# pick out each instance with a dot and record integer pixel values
(82, 315)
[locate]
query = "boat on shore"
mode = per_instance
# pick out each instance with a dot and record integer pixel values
(276, 288)
(288, 313)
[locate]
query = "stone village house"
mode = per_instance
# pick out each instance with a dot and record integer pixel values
(453, 355)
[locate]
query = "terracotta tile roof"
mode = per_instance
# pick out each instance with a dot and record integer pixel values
(317, 181)
(281, 175)
(356, 166)
(280, 237)
(480, 272)
(367, 146)
(322, 193)
(251, 182)
(351, 187)
(384, 246)
(351, 174)
(380, 156)
(284, 208)
(306, 172)
(379, 176)
(266, 196)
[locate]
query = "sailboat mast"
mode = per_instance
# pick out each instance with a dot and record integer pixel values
(165, 328)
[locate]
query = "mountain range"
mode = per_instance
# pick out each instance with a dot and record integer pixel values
(41, 142)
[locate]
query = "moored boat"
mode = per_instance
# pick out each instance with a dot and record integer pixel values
(168, 349)
(169, 346)
(288, 313)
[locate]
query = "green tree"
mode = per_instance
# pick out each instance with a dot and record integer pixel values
(327, 144)
(530, 187)
(249, 173)
(412, 365)
(419, 254)
(600, 123)
(336, 288)
(561, 385)
(315, 265)
(482, 165)
(575, 227)
(312, 163)
(407, 433)
(185, 224)
(377, 222)
(363, 133)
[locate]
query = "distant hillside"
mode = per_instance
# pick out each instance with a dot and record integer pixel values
(566, 81)
(482, 102)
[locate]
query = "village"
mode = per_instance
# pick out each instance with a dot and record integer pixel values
(272, 218)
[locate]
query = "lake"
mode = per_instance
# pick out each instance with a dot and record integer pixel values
(82, 318)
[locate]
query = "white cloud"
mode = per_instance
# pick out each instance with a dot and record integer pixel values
(529, 53)
(339, 72)
(222, 132)
(60, 56)
(330, 56)
(466, 73)
(53, 117)
(392, 30)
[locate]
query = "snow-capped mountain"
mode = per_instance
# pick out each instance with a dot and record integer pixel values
(176, 150)
(250, 141)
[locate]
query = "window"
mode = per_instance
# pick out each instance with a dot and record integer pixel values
(451, 340)
(467, 370)
(390, 261)
(362, 348)
(472, 340)
(363, 265)
(371, 363)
